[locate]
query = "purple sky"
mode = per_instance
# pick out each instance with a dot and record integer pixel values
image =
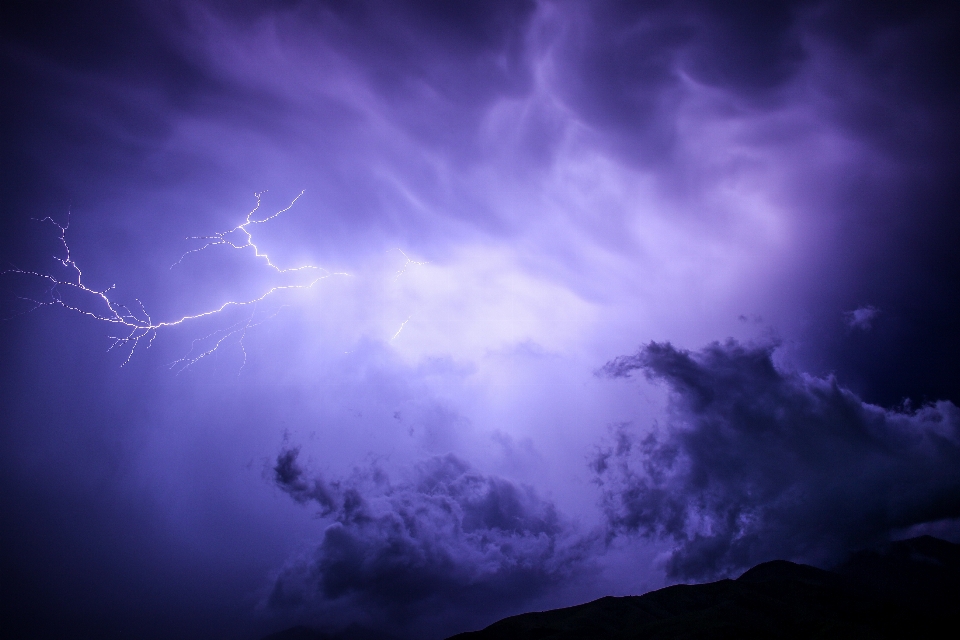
(619, 294)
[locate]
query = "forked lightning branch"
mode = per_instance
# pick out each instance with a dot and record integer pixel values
(132, 326)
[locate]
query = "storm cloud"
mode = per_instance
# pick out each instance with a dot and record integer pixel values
(755, 463)
(446, 538)
(519, 191)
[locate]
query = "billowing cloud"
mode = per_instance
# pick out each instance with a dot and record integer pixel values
(446, 538)
(756, 463)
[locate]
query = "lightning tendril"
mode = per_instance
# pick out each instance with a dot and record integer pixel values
(134, 327)
(409, 262)
(400, 329)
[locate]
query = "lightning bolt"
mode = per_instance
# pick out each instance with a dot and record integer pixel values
(223, 238)
(400, 329)
(409, 261)
(136, 326)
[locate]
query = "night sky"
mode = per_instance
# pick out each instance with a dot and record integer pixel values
(580, 298)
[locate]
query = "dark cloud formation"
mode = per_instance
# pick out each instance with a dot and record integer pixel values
(757, 463)
(446, 539)
(629, 60)
(755, 49)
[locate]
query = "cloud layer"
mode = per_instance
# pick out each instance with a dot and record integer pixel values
(576, 176)
(756, 463)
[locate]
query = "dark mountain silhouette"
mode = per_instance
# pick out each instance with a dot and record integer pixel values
(909, 589)
(921, 573)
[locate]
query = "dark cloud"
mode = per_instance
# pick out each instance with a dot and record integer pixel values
(624, 63)
(447, 538)
(625, 83)
(892, 76)
(748, 47)
(757, 463)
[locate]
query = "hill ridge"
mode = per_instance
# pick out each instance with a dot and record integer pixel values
(911, 588)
